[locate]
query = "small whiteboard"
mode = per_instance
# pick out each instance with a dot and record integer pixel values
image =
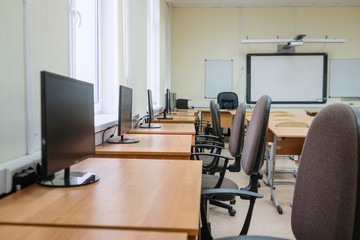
(345, 78)
(218, 77)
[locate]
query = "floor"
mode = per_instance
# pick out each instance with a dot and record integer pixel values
(265, 219)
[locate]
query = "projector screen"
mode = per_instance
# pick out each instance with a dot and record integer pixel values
(287, 78)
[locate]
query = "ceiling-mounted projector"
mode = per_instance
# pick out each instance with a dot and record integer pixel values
(295, 43)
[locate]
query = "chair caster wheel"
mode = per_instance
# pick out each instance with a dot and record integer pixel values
(279, 209)
(232, 202)
(232, 212)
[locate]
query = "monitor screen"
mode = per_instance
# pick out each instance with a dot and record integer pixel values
(167, 106)
(125, 116)
(172, 101)
(67, 129)
(167, 100)
(125, 110)
(150, 112)
(150, 105)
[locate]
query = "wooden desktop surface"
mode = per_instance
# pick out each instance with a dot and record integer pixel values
(151, 146)
(150, 195)
(175, 119)
(183, 113)
(169, 128)
(294, 136)
(56, 233)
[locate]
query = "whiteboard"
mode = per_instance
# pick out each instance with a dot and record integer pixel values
(344, 78)
(287, 78)
(218, 77)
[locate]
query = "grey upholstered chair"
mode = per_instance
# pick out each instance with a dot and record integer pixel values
(236, 140)
(326, 201)
(210, 144)
(252, 159)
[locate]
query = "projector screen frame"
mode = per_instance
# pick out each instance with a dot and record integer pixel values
(319, 100)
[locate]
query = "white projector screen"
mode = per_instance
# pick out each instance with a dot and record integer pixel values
(287, 78)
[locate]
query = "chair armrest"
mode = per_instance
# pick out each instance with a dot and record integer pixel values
(207, 146)
(209, 193)
(207, 136)
(209, 142)
(211, 154)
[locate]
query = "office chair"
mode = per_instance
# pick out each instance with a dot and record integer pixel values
(252, 159)
(214, 143)
(220, 163)
(326, 202)
(228, 100)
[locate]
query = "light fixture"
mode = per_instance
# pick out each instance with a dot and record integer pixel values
(297, 41)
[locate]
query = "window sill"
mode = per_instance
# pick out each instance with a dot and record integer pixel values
(103, 121)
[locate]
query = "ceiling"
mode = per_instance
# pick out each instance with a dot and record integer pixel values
(262, 3)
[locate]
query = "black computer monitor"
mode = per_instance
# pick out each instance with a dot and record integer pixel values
(150, 112)
(172, 102)
(125, 116)
(167, 105)
(67, 130)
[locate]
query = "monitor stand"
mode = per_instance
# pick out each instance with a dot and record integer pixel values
(70, 179)
(122, 140)
(150, 125)
(162, 118)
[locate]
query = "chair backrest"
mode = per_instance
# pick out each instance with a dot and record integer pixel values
(326, 201)
(227, 100)
(252, 157)
(215, 118)
(236, 141)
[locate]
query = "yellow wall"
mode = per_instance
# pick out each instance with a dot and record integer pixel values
(200, 33)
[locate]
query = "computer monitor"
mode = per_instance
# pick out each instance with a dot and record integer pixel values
(167, 105)
(125, 116)
(172, 102)
(67, 130)
(150, 112)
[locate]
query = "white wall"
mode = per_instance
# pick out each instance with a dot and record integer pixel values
(139, 67)
(199, 33)
(49, 48)
(12, 83)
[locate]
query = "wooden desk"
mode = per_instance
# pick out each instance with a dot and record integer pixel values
(226, 117)
(55, 233)
(284, 141)
(176, 119)
(150, 146)
(167, 128)
(147, 195)
(183, 113)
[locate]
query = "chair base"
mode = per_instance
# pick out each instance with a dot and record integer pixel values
(230, 209)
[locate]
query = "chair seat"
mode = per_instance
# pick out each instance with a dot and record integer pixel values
(250, 238)
(209, 181)
(208, 159)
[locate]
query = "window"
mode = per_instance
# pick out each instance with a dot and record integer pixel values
(153, 50)
(84, 42)
(93, 40)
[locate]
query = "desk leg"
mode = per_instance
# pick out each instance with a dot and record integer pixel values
(267, 163)
(272, 174)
